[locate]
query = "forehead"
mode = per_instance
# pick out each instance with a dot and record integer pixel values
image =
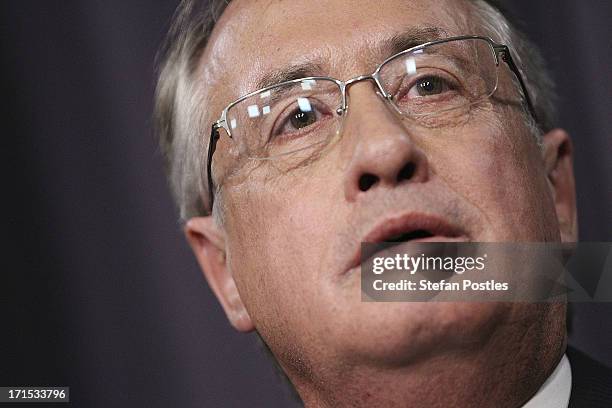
(343, 37)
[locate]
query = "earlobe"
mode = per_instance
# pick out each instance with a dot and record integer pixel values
(208, 245)
(559, 165)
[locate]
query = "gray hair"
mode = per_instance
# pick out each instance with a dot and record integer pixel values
(179, 104)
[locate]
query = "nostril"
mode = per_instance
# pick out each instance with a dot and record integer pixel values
(366, 181)
(407, 172)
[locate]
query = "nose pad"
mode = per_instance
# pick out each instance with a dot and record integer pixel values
(389, 100)
(342, 111)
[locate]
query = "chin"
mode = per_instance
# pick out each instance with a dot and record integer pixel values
(397, 334)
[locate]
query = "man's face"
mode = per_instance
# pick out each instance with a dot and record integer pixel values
(291, 235)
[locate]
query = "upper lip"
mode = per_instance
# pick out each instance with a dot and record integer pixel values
(394, 226)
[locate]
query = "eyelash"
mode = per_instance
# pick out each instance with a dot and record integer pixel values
(284, 119)
(449, 80)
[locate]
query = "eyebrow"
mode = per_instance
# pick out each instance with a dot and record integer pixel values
(289, 73)
(409, 38)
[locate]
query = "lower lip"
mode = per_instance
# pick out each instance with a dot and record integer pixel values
(436, 238)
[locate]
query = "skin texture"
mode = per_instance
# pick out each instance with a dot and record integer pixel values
(277, 256)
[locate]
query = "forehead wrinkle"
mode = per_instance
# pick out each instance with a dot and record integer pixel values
(314, 63)
(376, 50)
(323, 61)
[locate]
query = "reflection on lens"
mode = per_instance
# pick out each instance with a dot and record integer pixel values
(286, 118)
(439, 78)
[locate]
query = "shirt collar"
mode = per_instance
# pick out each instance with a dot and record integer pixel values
(555, 392)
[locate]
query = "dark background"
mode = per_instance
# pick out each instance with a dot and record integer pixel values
(99, 291)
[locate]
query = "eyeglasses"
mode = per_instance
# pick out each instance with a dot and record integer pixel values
(434, 84)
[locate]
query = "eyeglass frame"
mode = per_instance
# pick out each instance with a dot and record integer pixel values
(498, 50)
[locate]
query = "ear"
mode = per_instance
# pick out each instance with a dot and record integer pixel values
(559, 163)
(208, 245)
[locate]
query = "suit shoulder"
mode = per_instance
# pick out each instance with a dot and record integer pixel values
(591, 381)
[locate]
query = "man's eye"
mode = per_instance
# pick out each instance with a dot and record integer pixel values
(299, 119)
(429, 86)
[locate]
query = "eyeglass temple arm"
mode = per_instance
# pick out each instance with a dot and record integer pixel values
(212, 145)
(507, 58)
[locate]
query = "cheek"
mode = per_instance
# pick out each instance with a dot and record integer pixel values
(498, 169)
(273, 232)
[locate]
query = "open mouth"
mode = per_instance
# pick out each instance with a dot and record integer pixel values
(415, 236)
(407, 228)
(410, 236)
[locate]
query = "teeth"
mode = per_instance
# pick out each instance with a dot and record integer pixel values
(416, 234)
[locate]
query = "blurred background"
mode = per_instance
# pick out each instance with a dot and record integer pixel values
(100, 292)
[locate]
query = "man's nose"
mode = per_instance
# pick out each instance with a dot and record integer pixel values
(382, 151)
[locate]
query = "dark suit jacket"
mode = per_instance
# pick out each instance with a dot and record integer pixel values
(591, 381)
